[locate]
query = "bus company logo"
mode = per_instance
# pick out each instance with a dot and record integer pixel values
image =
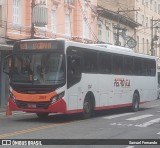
(6, 142)
(121, 82)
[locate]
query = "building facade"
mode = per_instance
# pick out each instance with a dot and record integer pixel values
(70, 19)
(114, 28)
(143, 12)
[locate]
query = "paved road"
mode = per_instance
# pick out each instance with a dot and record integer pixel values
(109, 124)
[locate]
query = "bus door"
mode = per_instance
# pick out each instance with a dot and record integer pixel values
(73, 79)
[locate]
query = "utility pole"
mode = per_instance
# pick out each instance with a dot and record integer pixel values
(152, 45)
(153, 37)
(32, 24)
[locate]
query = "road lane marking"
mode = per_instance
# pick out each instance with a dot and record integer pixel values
(119, 115)
(34, 129)
(158, 133)
(16, 114)
(150, 122)
(154, 106)
(139, 117)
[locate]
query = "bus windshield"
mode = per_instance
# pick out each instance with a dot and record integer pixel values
(43, 68)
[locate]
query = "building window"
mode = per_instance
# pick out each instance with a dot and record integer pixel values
(93, 28)
(155, 7)
(147, 46)
(69, 2)
(17, 12)
(0, 16)
(107, 33)
(67, 25)
(143, 44)
(142, 20)
(85, 28)
(137, 43)
(158, 27)
(136, 16)
(54, 21)
(146, 21)
(99, 30)
(146, 3)
(151, 4)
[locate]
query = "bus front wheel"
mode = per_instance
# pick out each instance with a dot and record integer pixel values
(88, 108)
(135, 102)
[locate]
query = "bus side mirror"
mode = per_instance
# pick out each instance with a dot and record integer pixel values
(7, 65)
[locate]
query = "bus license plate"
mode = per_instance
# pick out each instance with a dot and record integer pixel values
(31, 105)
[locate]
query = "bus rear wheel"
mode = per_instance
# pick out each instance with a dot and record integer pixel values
(88, 108)
(42, 115)
(135, 102)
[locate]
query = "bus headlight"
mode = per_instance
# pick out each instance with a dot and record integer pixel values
(12, 96)
(56, 98)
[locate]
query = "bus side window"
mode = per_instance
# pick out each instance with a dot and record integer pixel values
(117, 64)
(128, 65)
(138, 66)
(90, 62)
(153, 67)
(105, 63)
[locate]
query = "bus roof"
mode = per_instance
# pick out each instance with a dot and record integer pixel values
(117, 48)
(102, 47)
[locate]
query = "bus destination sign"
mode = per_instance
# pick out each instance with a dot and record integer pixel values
(38, 45)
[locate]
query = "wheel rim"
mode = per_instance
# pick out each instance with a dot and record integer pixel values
(136, 104)
(86, 107)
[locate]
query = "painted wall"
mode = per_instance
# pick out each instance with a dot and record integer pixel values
(75, 10)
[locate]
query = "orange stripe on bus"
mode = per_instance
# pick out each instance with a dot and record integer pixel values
(33, 97)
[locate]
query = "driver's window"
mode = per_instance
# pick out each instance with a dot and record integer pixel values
(74, 69)
(7, 64)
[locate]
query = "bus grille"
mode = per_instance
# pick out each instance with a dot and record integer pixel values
(36, 105)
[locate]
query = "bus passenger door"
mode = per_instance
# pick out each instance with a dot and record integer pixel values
(73, 79)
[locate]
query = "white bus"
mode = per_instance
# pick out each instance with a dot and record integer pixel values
(58, 76)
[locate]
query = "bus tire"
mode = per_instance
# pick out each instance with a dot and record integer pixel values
(88, 108)
(135, 102)
(42, 115)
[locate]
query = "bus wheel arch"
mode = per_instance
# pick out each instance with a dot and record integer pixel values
(88, 105)
(135, 101)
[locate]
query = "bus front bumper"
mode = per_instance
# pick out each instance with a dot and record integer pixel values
(57, 107)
